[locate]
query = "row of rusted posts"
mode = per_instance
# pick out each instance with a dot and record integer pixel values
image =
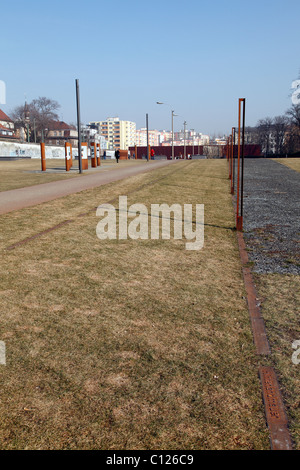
(148, 152)
(95, 155)
(230, 154)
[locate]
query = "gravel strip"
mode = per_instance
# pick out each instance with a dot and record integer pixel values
(271, 218)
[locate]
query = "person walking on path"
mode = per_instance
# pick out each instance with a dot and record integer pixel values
(117, 155)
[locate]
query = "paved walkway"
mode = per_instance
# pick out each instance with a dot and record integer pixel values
(32, 195)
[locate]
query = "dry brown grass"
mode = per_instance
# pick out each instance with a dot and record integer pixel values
(128, 344)
(293, 163)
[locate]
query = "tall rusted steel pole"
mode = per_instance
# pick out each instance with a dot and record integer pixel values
(43, 156)
(243, 158)
(147, 127)
(229, 156)
(78, 125)
(232, 159)
(240, 174)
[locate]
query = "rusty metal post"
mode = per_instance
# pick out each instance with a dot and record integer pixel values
(98, 153)
(227, 149)
(243, 159)
(232, 159)
(229, 157)
(84, 156)
(43, 156)
(93, 154)
(78, 125)
(68, 156)
(240, 188)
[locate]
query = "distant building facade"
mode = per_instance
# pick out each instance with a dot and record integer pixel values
(119, 134)
(89, 133)
(153, 137)
(190, 137)
(60, 132)
(7, 127)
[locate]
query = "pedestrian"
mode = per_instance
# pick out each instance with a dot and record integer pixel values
(117, 155)
(152, 154)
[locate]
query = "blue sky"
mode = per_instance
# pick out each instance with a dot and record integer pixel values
(197, 56)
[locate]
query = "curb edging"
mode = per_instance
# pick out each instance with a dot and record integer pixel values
(276, 417)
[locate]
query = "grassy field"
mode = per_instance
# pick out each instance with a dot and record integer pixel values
(293, 163)
(21, 173)
(128, 344)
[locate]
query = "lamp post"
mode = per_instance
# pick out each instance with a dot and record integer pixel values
(172, 120)
(147, 127)
(184, 126)
(193, 142)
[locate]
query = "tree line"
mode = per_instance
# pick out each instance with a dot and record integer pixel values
(279, 135)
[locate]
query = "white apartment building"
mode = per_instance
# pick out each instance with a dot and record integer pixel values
(91, 134)
(119, 134)
(164, 136)
(141, 138)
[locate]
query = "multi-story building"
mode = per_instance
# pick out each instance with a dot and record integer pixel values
(7, 126)
(190, 137)
(89, 133)
(165, 136)
(59, 132)
(153, 137)
(5, 121)
(119, 134)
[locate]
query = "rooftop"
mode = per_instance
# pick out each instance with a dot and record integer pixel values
(4, 117)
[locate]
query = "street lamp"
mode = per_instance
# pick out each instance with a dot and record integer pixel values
(173, 114)
(193, 141)
(147, 127)
(184, 126)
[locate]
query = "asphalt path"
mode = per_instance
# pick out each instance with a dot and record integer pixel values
(20, 198)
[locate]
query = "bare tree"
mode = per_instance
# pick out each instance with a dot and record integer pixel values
(280, 126)
(293, 115)
(264, 130)
(21, 117)
(43, 110)
(37, 116)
